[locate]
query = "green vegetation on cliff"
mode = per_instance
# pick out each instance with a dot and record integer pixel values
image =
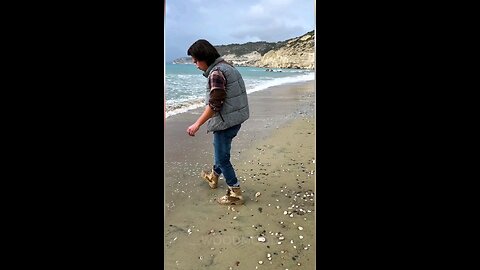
(261, 47)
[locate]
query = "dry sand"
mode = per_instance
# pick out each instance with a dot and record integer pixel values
(274, 154)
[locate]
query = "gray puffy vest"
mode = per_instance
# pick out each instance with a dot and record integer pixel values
(235, 107)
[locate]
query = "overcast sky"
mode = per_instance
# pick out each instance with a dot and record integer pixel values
(225, 22)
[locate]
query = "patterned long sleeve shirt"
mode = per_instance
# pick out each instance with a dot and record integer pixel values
(217, 83)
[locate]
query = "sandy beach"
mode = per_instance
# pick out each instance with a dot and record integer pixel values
(274, 157)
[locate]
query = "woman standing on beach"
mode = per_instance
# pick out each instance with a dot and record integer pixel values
(226, 109)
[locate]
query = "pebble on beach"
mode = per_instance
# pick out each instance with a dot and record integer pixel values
(258, 194)
(261, 239)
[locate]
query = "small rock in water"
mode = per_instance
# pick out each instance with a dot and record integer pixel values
(261, 239)
(260, 262)
(300, 228)
(300, 236)
(258, 194)
(234, 217)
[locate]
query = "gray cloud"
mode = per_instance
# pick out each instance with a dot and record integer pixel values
(230, 21)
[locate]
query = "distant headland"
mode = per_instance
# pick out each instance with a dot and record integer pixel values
(298, 52)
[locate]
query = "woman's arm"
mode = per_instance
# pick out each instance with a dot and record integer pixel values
(207, 114)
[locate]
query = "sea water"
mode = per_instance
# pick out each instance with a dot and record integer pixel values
(186, 86)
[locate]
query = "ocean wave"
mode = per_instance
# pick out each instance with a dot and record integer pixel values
(181, 107)
(279, 81)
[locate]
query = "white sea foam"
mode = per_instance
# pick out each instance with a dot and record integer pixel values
(279, 81)
(182, 107)
(177, 106)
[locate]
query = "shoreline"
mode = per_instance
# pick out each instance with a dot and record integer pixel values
(190, 63)
(194, 104)
(285, 102)
(274, 154)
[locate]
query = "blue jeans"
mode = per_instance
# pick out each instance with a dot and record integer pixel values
(222, 143)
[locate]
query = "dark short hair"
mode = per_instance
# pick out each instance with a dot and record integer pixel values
(202, 50)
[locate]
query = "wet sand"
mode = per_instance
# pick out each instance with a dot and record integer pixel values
(274, 154)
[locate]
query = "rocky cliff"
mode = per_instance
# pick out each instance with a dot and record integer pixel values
(298, 52)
